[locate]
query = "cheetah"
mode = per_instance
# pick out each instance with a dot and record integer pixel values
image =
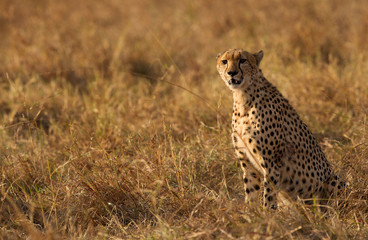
(277, 152)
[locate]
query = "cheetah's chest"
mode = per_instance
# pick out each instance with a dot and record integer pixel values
(259, 121)
(244, 122)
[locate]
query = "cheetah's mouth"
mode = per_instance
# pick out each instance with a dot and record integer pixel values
(234, 82)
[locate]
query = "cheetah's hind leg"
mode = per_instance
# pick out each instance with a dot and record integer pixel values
(334, 188)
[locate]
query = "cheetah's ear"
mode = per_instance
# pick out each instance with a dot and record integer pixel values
(218, 55)
(258, 56)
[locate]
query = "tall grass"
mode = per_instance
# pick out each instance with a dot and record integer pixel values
(114, 123)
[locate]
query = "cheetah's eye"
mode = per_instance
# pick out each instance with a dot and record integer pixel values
(243, 60)
(224, 61)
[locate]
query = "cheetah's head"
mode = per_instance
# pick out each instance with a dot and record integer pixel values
(238, 67)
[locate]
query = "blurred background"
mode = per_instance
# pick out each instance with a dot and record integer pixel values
(114, 119)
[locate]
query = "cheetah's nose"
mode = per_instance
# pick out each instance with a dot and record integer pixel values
(232, 73)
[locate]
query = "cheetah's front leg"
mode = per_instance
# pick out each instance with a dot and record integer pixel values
(251, 180)
(251, 176)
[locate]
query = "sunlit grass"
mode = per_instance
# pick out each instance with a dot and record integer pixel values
(115, 124)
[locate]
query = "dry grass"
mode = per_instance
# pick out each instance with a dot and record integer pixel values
(114, 123)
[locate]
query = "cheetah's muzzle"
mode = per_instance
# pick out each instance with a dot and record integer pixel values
(235, 82)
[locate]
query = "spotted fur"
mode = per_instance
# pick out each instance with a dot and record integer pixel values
(276, 149)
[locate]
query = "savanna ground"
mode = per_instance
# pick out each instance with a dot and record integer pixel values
(115, 123)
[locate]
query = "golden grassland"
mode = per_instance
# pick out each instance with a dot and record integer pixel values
(115, 123)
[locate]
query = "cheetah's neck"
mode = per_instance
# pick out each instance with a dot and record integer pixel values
(244, 98)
